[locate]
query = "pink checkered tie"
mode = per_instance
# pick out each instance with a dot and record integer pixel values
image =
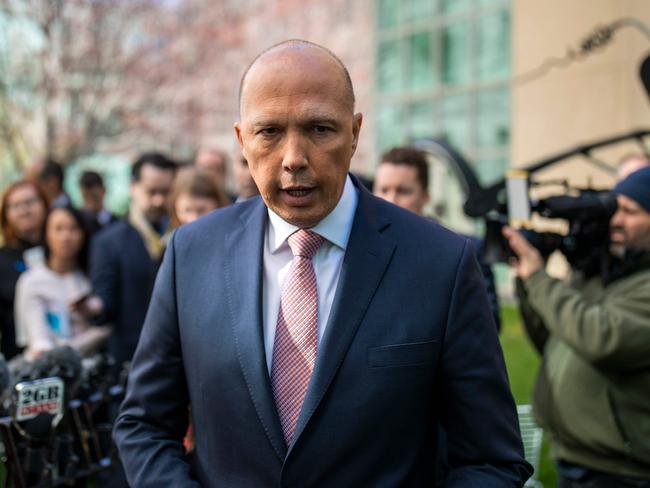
(296, 335)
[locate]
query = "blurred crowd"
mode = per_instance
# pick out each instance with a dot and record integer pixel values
(82, 276)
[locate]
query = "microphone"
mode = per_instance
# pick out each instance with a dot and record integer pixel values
(63, 362)
(60, 422)
(42, 390)
(38, 402)
(97, 377)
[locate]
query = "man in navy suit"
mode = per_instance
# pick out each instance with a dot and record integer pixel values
(125, 256)
(319, 333)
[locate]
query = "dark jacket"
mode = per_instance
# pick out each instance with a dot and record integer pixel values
(488, 278)
(122, 273)
(11, 266)
(93, 224)
(410, 343)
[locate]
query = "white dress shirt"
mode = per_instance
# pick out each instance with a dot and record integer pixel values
(335, 228)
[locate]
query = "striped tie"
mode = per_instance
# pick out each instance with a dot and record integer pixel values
(296, 335)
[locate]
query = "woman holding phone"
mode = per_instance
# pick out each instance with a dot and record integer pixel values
(54, 301)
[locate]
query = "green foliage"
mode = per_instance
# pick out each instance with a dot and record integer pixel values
(522, 362)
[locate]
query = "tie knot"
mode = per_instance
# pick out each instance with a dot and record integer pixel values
(305, 243)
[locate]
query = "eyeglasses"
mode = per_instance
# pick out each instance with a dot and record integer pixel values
(23, 204)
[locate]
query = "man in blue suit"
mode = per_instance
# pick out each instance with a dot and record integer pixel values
(125, 256)
(320, 334)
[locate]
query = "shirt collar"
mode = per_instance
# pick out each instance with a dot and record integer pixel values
(104, 216)
(336, 227)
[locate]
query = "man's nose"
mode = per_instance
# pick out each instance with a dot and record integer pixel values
(616, 219)
(390, 196)
(158, 200)
(295, 154)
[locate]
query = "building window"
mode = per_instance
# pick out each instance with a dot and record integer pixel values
(443, 68)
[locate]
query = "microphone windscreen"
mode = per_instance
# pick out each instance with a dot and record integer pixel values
(63, 362)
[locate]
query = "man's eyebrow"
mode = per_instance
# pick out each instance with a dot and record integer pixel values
(307, 119)
(316, 118)
(264, 122)
(321, 119)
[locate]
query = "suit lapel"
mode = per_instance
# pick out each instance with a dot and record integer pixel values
(244, 269)
(366, 258)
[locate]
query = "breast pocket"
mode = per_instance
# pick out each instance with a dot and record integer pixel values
(400, 355)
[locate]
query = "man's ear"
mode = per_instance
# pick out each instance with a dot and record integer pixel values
(237, 127)
(356, 129)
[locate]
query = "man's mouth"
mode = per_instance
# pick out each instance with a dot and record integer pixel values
(616, 234)
(298, 191)
(299, 196)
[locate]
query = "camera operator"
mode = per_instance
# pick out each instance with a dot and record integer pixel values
(593, 389)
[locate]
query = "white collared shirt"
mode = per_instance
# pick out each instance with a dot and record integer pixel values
(335, 228)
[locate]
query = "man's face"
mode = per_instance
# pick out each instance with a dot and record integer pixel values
(298, 133)
(213, 161)
(151, 192)
(93, 198)
(398, 183)
(51, 187)
(630, 225)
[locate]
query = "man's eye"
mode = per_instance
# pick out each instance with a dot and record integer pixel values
(268, 131)
(321, 129)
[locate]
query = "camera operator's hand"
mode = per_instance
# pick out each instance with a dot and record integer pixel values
(528, 259)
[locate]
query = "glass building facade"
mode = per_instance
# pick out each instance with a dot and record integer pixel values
(443, 68)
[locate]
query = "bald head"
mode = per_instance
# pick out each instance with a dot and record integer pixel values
(297, 129)
(308, 55)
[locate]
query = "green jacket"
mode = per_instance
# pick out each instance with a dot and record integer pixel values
(593, 388)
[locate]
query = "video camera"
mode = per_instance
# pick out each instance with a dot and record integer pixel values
(586, 211)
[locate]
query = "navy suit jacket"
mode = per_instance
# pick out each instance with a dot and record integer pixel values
(410, 343)
(123, 274)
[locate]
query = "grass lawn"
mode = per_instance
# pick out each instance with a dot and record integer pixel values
(522, 362)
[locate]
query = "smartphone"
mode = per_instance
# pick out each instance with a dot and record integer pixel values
(79, 301)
